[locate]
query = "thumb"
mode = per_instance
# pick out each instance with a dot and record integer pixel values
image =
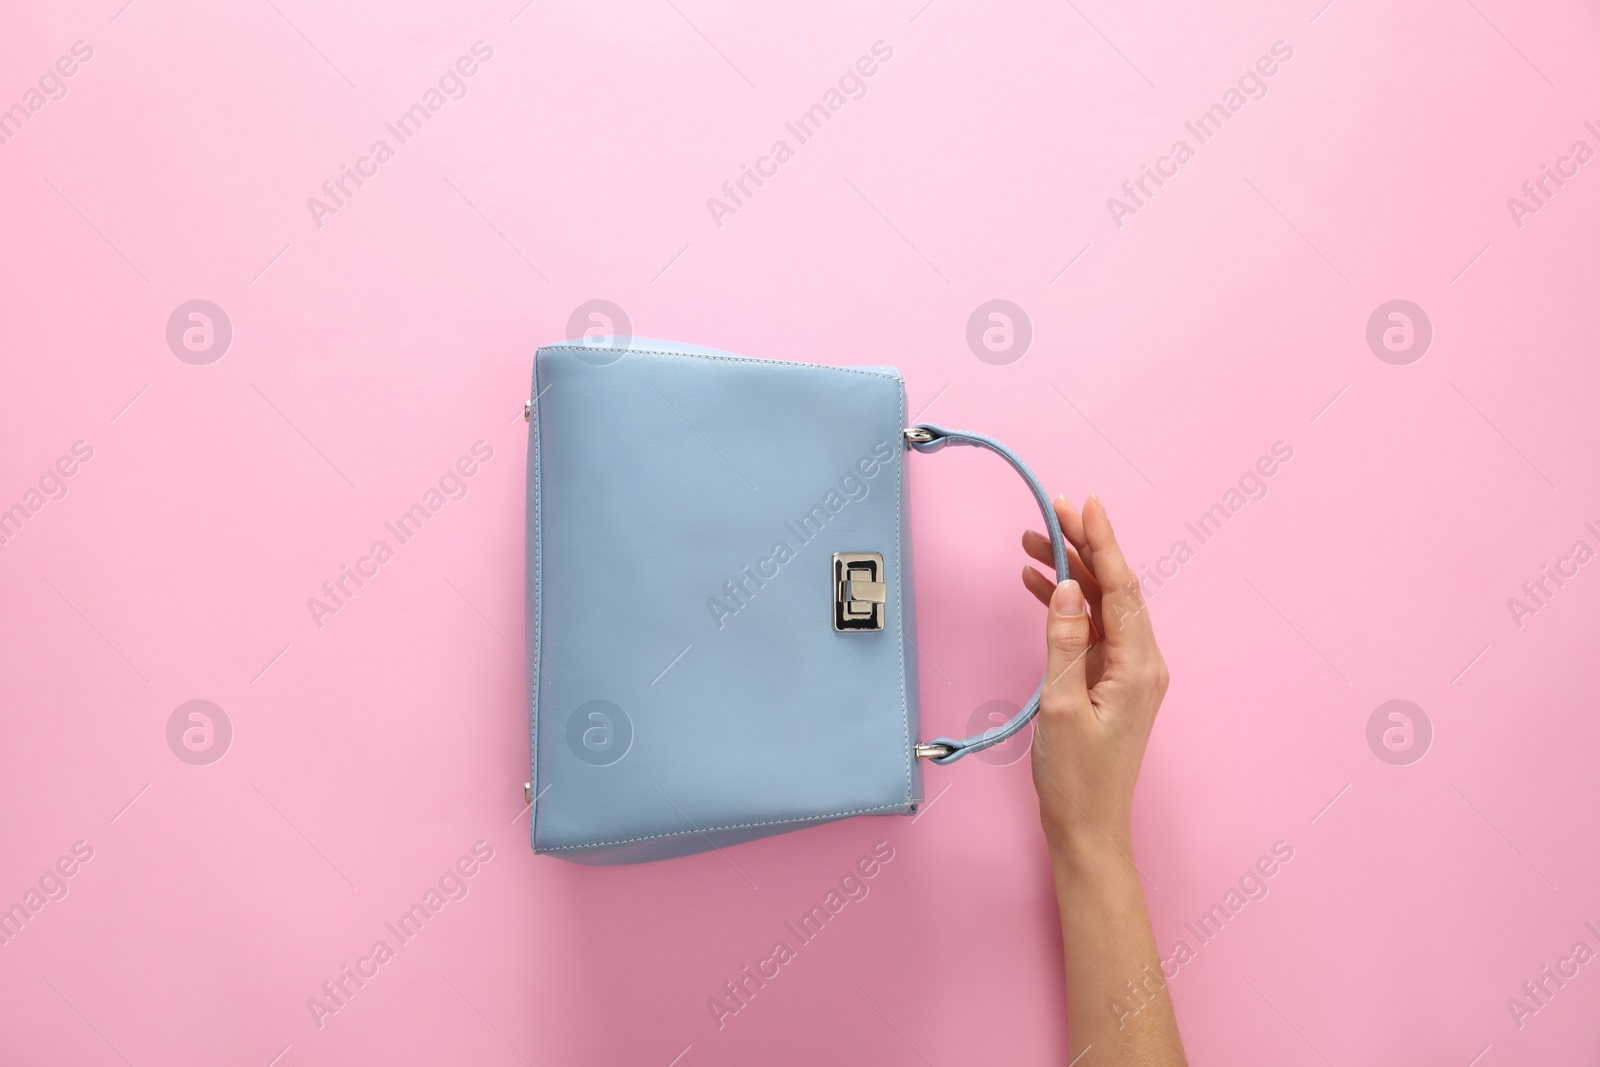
(1067, 634)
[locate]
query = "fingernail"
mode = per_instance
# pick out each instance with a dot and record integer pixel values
(1067, 600)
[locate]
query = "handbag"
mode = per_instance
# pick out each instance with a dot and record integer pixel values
(721, 636)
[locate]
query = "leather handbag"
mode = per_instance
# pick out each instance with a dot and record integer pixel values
(721, 636)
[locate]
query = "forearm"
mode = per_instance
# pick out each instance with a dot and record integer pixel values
(1118, 1008)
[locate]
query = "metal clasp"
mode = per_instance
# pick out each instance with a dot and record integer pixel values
(859, 591)
(930, 750)
(917, 435)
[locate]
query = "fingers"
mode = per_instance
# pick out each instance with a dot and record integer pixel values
(1037, 545)
(1123, 617)
(1066, 689)
(1072, 528)
(1040, 586)
(1044, 588)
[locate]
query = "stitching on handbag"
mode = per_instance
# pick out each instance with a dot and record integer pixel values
(716, 829)
(538, 617)
(729, 359)
(900, 592)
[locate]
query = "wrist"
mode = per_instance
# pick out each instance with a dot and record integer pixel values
(1085, 849)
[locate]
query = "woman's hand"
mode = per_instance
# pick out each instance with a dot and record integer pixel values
(1103, 684)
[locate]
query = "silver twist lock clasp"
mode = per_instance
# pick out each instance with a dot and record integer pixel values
(859, 591)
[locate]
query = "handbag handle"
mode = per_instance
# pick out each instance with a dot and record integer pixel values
(926, 437)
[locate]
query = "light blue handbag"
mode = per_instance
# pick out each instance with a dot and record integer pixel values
(721, 632)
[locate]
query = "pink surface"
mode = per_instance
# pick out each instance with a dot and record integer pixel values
(1174, 342)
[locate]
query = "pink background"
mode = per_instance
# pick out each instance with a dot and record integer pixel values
(1168, 354)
